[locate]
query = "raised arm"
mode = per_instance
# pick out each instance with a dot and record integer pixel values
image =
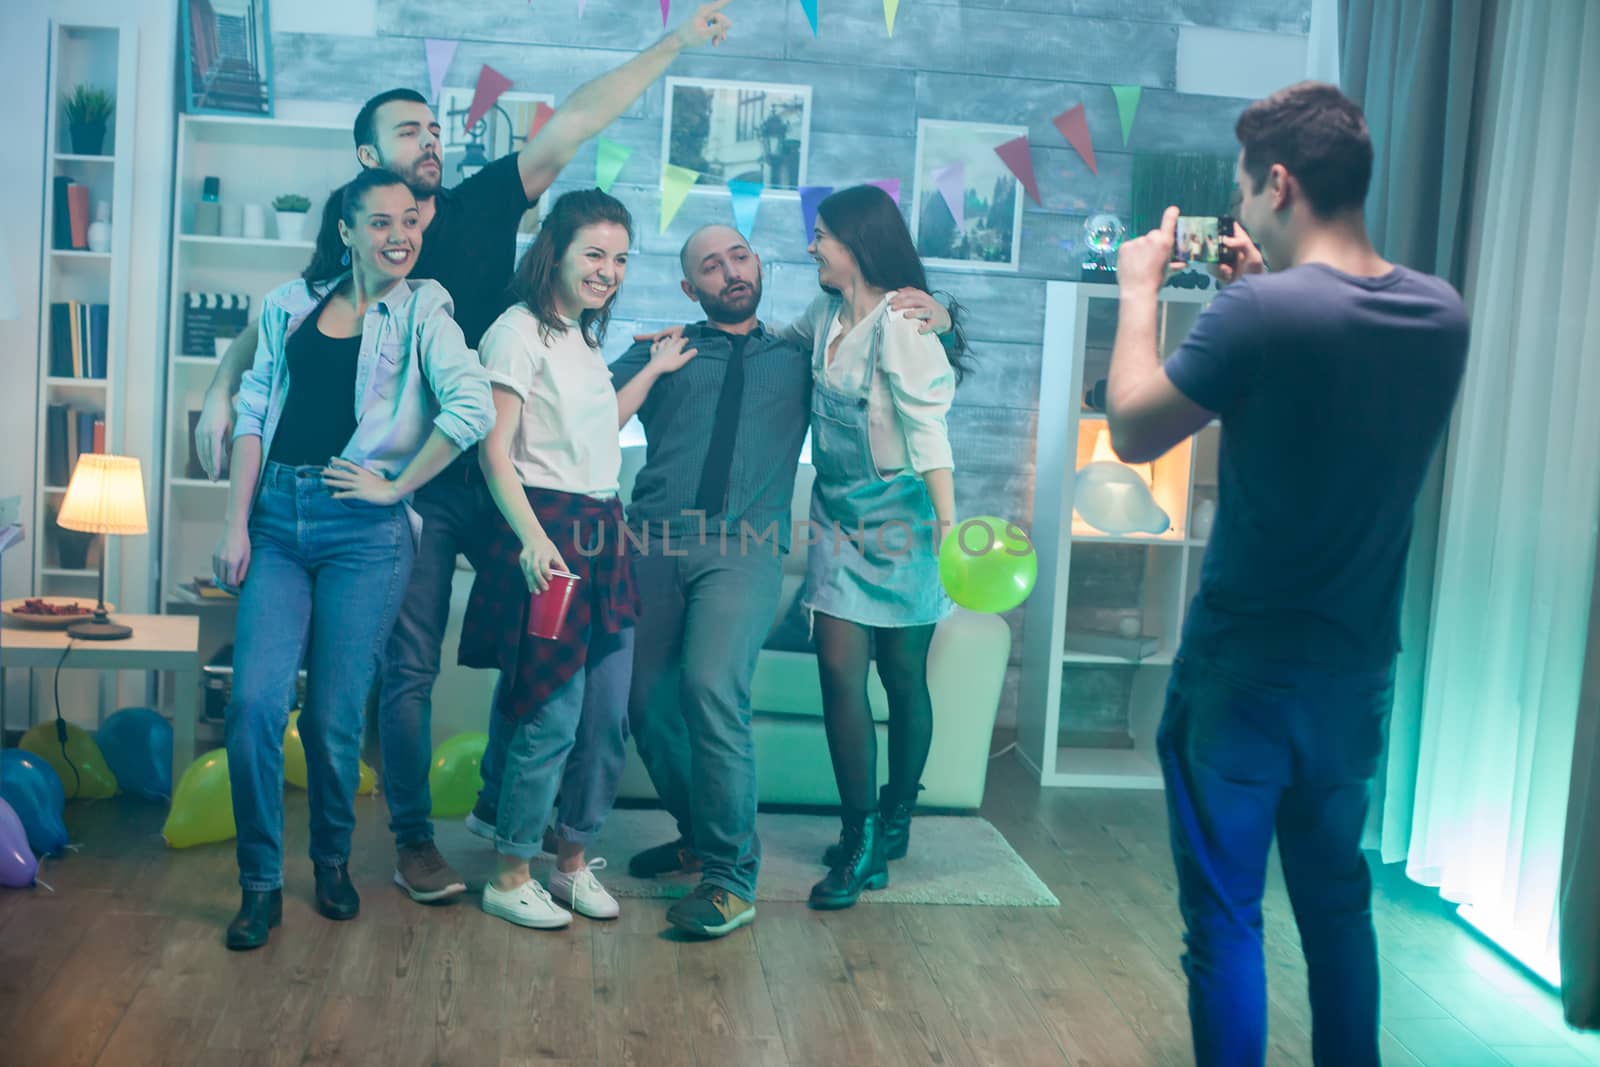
(595, 104)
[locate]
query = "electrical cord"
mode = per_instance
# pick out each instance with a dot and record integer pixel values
(61, 724)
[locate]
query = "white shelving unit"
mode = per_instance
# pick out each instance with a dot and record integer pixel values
(1092, 697)
(102, 54)
(255, 160)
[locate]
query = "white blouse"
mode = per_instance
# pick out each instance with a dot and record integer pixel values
(910, 394)
(567, 438)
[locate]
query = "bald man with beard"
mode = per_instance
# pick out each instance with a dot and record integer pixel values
(725, 403)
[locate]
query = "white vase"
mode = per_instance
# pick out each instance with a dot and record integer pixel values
(255, 222)
(291, 225)
(100, 228)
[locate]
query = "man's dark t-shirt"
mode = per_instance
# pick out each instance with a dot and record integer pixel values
(1333, 392)
(470, 246)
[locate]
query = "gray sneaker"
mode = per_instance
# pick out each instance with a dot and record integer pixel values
(422, 872)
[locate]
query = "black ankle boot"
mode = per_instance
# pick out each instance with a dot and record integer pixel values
(896, 816)
(259, 912)
(336, 897)
(860, 867)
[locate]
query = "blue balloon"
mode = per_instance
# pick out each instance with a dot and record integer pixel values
(137, 745)
(33, 789)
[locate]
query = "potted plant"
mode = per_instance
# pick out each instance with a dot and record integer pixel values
(88, 110)
(291, 210)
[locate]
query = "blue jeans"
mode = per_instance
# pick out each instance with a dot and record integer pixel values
(703, 617)
(1247, 752)
(452, 507)
(577, 741)
(324, 582)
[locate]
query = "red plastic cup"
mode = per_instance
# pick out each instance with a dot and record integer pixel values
(547, 611)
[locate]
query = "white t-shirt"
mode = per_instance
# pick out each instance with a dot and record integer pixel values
(567, 439)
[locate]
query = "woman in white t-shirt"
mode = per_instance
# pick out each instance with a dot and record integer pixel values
(551, 462)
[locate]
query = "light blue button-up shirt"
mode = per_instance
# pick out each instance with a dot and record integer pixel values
(415, 374)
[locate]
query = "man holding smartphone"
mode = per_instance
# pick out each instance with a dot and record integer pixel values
(1333, 376)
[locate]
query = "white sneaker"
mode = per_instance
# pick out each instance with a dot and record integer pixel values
(582, 892)
(527, 905)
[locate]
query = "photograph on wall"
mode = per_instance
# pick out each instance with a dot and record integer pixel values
(966, 210)
(738, 132)
(227, 57)
(502, 130)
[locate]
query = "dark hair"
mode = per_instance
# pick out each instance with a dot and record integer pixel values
(1320, 137)
(366, 128)
(865, 219)
(534, 283)
(328, 260)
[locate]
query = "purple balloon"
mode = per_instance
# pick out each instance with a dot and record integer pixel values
(17, 865)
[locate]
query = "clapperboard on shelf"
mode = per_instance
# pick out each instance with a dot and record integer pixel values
(212, 320)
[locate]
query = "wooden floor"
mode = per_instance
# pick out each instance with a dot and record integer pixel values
(123, 965)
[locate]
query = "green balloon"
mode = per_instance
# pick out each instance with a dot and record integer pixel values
(453, 777)
(988, 564)
(202, 805)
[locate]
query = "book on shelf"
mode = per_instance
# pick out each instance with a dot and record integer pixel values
(210, 318)
(78, 339)
(70, 432)
(61, 214)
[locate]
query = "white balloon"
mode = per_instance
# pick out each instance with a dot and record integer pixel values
(1115, 500)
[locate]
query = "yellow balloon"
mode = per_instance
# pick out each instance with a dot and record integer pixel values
(369, 781)
(93, 780)
(202, 805)
(294, 753)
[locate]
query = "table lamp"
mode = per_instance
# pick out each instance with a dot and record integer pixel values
(105, 496)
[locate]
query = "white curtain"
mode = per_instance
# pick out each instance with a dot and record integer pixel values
(1522, 494)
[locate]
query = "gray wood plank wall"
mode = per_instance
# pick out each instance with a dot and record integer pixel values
(1013, 62)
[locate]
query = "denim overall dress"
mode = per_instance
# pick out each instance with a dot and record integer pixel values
(872, 559)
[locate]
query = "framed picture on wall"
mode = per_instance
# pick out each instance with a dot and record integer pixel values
(730, 131)
(983, 230)
(227, 57)
(502, 130)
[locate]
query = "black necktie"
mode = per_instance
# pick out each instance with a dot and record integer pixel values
(713, 495)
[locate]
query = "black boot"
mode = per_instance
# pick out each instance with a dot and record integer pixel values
(259, 912)
(336, 897)
(896, 814)
(861, 866)
(896, 828)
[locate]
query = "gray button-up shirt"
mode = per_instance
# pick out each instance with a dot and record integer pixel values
(680, 414)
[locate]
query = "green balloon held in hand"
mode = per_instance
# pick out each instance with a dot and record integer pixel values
(988, 564)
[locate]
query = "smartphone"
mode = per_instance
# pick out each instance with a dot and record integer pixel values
(1199, 239)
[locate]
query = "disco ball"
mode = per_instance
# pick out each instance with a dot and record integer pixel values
(1103, 233)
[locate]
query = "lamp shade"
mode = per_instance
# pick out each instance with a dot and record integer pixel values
(105, 496)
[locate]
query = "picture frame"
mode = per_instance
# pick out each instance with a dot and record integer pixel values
(227, 57)
(991, 236)
(738, 131)
(502, 130)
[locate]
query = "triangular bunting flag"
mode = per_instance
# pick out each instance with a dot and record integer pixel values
(676, 182)
(666, 5)
(1127, 106)
(581, 5)
(810, 197)
(952, 184)
(746, 202)
(541, 115)
(890, 186)
(889, 9)
(439, 55)
(609, 156)
(491, 83)
(1019, 161)
(1074, 126)
(810, 7)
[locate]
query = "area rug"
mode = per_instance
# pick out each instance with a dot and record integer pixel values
(953, 860)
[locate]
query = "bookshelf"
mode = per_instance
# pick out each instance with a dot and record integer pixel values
(83, 293)
(254, 161)
(1102, 627)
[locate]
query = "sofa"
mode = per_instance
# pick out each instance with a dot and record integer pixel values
(966, 671)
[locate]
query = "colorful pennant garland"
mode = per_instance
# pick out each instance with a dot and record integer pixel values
(746, 198)
(890, 186)
(676, 182)
(810, 197)
(890, 7)
(439, 55)
(1127, 106)
(951, 182)
(491, 83)
(609, 156)
(1018, 159)
(541, 115)
(810, 7)
(1074, 126)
